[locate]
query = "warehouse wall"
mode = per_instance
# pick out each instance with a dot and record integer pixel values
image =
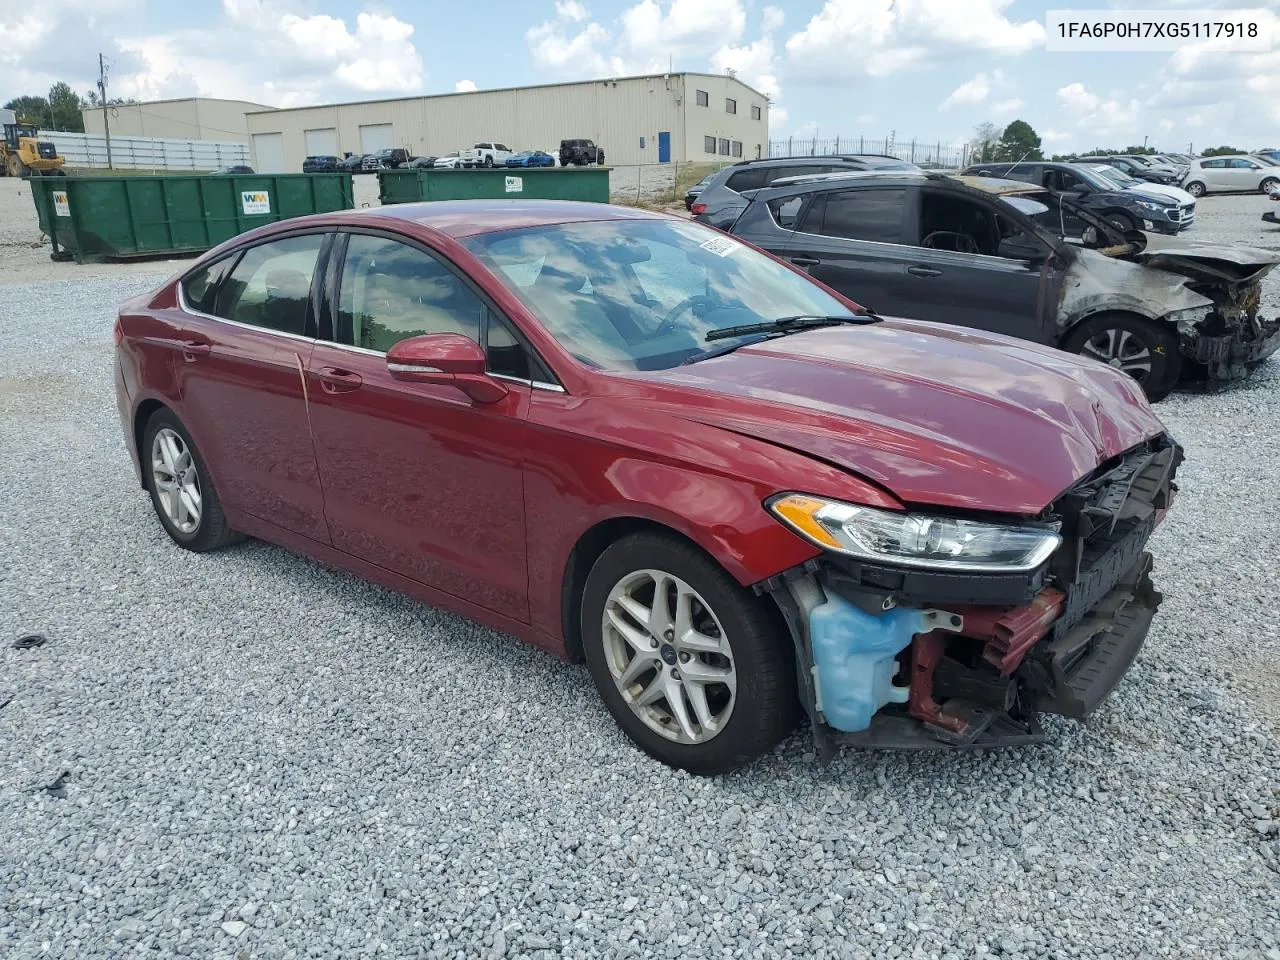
(727, 129)
(191, 119)
(616, 114)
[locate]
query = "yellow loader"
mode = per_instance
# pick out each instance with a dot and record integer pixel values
(22, 155)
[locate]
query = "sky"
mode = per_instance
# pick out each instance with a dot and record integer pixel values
(929, 69)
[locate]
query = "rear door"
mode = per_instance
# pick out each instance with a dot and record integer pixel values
(852, 240)
(244, 398)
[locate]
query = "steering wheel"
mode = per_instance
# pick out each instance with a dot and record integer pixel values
(669, 321)
(963, 243)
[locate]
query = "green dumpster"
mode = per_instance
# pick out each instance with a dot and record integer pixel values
(496, 183)
(108, 218)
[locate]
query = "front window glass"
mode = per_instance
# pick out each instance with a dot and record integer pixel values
(271, 285)
(642, 294)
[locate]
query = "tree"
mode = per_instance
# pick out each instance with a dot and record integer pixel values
(64, 106)
(1220, 151)
(30, 109)
(986, 137)
(1018, 142)
(91, 99)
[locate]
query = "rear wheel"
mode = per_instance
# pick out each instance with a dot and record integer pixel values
(181, 489)
(1269, 184)
(1195, 188)
(688, 662)
(1145, 350)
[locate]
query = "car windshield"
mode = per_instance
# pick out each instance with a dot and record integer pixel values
(1118, 178)
(643, 294)
(1059, 217)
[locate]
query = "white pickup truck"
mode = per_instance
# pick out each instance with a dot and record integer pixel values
(485, 155)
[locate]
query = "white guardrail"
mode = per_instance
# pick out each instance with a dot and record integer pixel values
(146, 153)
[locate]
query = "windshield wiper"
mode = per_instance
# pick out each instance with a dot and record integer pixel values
(802, 321)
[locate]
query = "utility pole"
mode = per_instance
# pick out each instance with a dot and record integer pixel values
(102, 93)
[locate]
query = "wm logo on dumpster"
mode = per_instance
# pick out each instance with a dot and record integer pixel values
(255, 202)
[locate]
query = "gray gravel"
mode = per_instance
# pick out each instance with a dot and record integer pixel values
(269, 759)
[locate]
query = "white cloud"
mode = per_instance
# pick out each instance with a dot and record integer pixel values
(465, 86)
(572, 10)
(1098, 118)
(970, 92)
(569, 46)
(755, 63)
(1005, 107)
(686, 27)
(849, 38)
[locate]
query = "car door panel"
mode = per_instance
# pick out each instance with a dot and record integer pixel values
(244, 400)
(417, 477)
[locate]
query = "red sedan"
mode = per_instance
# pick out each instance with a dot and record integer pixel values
(635, 440)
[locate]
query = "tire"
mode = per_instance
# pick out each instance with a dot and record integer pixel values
(747, 717)
(1268, 184)
(1124, 341)
(1121, 221)
(1195, 188)
(210, 530)
(488, 161)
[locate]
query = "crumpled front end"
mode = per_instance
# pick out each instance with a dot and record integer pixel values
(907, 658)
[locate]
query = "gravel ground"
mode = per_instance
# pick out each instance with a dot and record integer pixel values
(265, 758)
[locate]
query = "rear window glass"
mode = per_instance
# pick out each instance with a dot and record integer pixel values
(752, 178)
(874, 215)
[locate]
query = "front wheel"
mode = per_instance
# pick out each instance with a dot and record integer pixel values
(1122, 222)
(181, 489)
(1195, 188)
(689, 663)
(1269, 184)
(1144, 349)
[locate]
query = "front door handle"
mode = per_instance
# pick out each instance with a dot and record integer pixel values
(924, 271)
(193, 350)
(337, 380)
(805, 261)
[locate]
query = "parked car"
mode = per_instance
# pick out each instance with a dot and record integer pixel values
(1166, 168)
(321, 164)
(1272, 155)
(234, 169)
(1134, 169)
(696, 190)
(1241, 173)
(531, 158)
(578, 153)
(421, 163)
(633, 439)
(391, 158)
(486, 154)
(351, 163)
(721, 199)
(1124, 208)
(1016, 259)
(449, 161)
(1126, 182)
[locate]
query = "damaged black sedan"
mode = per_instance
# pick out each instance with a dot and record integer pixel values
(1013, 258)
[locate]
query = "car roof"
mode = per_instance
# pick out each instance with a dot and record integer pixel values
(468, 218)
(854, 175)
(997, 185)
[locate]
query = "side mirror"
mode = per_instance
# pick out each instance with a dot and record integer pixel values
(445, 358)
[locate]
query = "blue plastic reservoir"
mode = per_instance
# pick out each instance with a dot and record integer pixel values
(854, 654)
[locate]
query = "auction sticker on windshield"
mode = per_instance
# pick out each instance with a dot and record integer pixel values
(720, 246)
(255, 201)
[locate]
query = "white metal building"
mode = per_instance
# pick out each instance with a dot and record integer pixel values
(662, 118)
(192, 118)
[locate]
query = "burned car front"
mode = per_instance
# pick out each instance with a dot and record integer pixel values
(925, 629)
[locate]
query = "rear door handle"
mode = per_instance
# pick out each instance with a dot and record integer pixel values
(924, 271)
(193, 350)
(806, 261)
(337, 380)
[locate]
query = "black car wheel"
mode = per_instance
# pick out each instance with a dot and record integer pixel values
(689, 662)
(1122, 222)
(1144, 349)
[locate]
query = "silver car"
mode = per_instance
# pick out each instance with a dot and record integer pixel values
(1238, 172)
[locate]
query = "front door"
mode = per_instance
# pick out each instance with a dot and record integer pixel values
(418, 478)
(664, 146)
(248, 339)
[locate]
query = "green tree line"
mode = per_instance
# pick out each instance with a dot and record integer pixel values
(60, 109)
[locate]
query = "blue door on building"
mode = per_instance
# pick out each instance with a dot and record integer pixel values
(664, 147)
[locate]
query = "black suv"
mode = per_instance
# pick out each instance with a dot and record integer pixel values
(320, 164)
(1135, 169)
(391, 158)
(1016, 259)
(577, 153)
(1124, 209)
(721, 198)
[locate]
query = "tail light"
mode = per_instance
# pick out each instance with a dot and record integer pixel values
(117, 332)
(698, 208)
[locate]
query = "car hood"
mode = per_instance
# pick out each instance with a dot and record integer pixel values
(1204, 261)
(1161, 192)
(935, 414)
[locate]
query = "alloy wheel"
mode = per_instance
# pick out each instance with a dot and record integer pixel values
(1121, 349)
(176, 480)
(669, 656)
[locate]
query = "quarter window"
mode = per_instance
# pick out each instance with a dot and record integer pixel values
(201, 287)
(271, 285)
(730, 106)
(703, 98)
(391, 291)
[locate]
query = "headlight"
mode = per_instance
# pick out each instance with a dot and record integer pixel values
(913, 539)
(1148, 205)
